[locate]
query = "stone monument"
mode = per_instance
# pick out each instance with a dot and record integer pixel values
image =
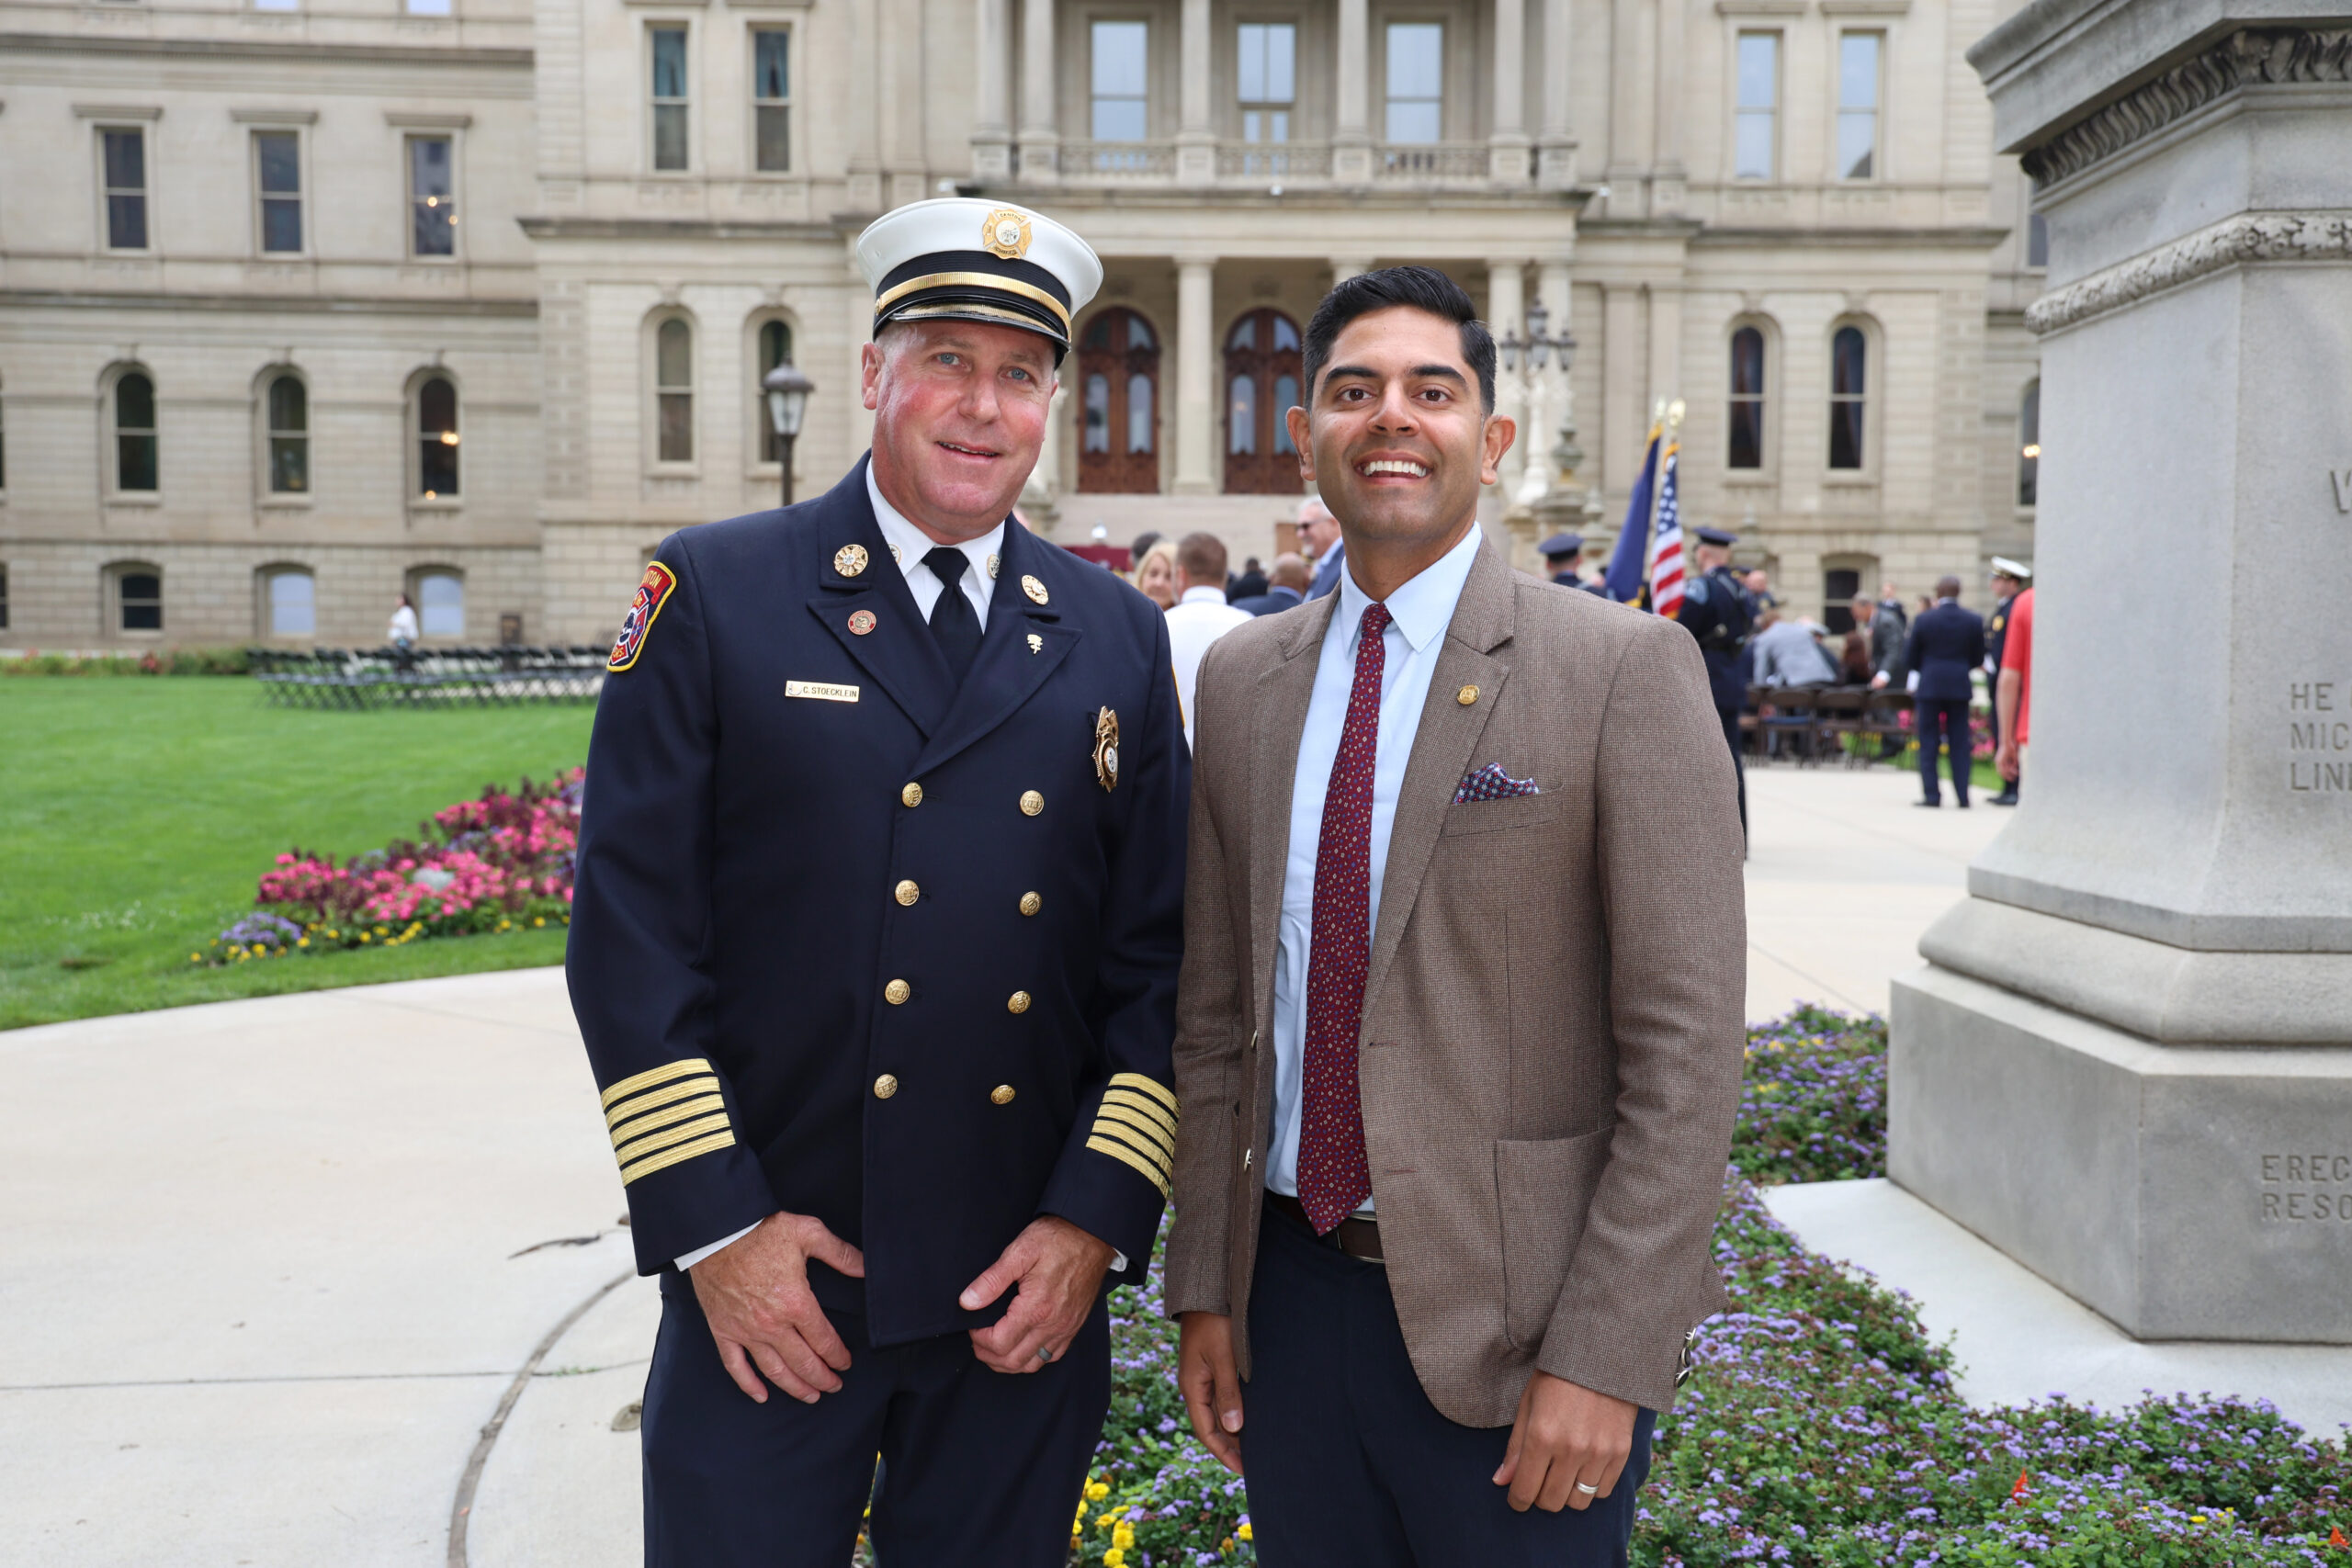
(2129, 1063)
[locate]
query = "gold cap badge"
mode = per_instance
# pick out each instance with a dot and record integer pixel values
(1107, 749)
(1004, 234)
(1035, 589)
(850, 559)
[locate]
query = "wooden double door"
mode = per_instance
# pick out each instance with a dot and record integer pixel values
(1118, 405)
(1262, 369)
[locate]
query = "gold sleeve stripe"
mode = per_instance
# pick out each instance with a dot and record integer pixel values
(637, 1105)
(1165, 1095)
(652, 1076)
(1144, 1128)
(677, 1156)
(636, 1128)
(1142, 1148)
(1128, 1099)
(1125, 1156)
(638, 1148)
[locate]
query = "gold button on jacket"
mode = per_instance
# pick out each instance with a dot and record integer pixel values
(1031, 803)
(885, 1087)
(1030, 903)
(1000, 1095)
(907, 893)
(911, 794)
(1020, 1002)
(896, 991)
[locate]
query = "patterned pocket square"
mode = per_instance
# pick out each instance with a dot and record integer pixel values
(1491, 783)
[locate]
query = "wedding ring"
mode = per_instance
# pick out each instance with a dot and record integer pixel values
(1588, 1491)
(1045, 1352)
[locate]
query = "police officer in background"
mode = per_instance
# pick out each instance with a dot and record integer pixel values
(2009, 580)
(1715, 608)
(874, 946)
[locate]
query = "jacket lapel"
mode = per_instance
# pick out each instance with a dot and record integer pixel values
(1443, 746)
(897, 650)
(1004, 673)
(1283, 692)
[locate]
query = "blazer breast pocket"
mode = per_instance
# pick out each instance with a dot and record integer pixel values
(1493, 816)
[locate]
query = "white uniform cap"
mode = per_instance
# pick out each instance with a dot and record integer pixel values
(962, 258)
(2007, 568)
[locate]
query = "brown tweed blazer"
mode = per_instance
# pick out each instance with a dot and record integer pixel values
(1552, 1029)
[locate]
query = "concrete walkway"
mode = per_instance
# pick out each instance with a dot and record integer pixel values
(292, 1281)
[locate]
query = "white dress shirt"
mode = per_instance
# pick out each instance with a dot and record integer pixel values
(1196, 620)
(911, 544)
(1418, 614)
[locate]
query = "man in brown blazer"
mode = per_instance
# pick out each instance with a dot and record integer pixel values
(1459, 1029)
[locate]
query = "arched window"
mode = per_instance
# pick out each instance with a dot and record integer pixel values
(1118, 405)
(775, 348)
(288, 602)
(137, 589)
(2029, 444)
(674, 390)
(1843, 577)
(287, 408)
(136, 463)
(1849, 360)
(1262, 377)
(437, 439)
(1747, 421)
(440, 592)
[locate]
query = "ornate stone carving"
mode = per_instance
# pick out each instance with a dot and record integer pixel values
(2250, 56)
(2248, 237)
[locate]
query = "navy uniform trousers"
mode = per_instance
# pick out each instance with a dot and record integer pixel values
(979, 1469)
(1350, 1466)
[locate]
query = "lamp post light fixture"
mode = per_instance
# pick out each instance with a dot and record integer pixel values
(788, 392)
(1535, 350)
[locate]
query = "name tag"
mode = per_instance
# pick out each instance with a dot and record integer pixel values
(820, 689)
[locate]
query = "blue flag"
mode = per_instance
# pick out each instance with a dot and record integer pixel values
(1629, 563)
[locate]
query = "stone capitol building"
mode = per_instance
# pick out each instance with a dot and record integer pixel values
(306, 303)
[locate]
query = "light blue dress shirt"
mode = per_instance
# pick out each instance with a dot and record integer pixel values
(1418, 614)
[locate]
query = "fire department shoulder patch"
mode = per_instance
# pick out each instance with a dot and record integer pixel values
(652, 593)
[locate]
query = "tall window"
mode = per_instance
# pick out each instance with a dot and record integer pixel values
(772, 100)
(775, 348)
(289, 603)
(1416, 81)
(1858, 90)
(437, 439)
(432, 196)
(2037, 241)
(1262, 379)
(427, 7)
(1266, 73)
(1849, 359)
(278, 175)
(669, 97)
(123, 154)
(1747, 398)
(2030, 444)
(135, 463)
(1120, 99)
(1756, 118)
(440, 603)
(1839, 586)
(1118, 442)
(4, 597)
(288, 406)
(139, 598)
(674, 390)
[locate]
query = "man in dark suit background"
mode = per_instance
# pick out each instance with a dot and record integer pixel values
(1946, 643)
(1285, 587)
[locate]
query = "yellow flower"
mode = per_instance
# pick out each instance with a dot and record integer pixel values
(363, 936)
(1123, 1535)
(1096, 1491)
(1225, 1545)
(1244, 1532)
(301, 942)
(1106, 1521)
(1113, 1558)
(539, 920)
(196, 958)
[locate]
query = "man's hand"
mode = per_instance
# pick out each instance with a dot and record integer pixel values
(755, 1295)
(1879, 681)
(1058, 1269)
(1564, 1435)
(1212, 1389)
(2005, 761)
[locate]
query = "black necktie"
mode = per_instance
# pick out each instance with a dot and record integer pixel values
(953, 620)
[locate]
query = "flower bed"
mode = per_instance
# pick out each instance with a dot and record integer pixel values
(174, 661)
(1820, 1429)
(499, 863)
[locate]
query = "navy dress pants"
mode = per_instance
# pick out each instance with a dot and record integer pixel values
(978, 1468)
(1951, 715)
(1350, 1466)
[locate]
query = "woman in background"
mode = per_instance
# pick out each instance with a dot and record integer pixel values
(1156, 573)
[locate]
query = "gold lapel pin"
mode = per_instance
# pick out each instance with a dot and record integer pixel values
(1035, 589)
(850, 559)
(1466, 696)
(861, 622)
(1036, 643)
(994, 562)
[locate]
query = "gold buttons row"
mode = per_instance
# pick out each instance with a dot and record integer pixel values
(888, 1085)
(897, 991)
(909, 893)
(1031, 803)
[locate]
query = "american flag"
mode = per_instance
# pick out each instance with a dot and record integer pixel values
(1665, 563)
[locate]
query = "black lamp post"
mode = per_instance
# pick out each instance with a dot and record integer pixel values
(1538, 345)
(788, 390)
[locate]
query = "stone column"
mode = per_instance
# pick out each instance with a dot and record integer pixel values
(1557, 151)
(1195, 378)
(1631, 38)
(1041, 496)
(2129, 1064)
(1197, 127)
(1506, 313)
(1507, 143)
(992, 106)
(1668, 179)
(1351, 134)
(1346, 267)
(1040, 130)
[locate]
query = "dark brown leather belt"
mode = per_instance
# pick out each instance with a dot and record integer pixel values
(1357, 1239)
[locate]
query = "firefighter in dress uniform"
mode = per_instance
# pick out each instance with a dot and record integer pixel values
(1717, 610)
(874, 946)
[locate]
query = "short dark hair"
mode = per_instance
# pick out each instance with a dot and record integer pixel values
(1202, 558)
(1422, 287)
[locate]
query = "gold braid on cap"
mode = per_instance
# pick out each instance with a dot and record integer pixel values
(974, 280)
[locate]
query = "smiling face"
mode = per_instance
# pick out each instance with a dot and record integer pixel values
(959, 416)
(1396, 441)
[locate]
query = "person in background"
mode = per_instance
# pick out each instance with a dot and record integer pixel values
(1246, 583)
(1318, 532)
(1715, 610)
(1561, 553)
(1200, 615)
(1156, 573)
(1287, 587)
(1946, 645)
(2009, 579)
(2014, 691)
(1854, 661)
(1759, 584)
(1142, 546)
(1885, 625)
(1890, 604)
(402, 634)
(1786, 653)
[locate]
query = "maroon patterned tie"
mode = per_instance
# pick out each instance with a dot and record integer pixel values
(1334, 1177)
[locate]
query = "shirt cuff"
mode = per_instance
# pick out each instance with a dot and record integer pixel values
(689, 1261)
(1118, 1262)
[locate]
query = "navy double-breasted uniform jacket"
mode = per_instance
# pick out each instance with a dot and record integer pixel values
(851, 941)
(1716, 609)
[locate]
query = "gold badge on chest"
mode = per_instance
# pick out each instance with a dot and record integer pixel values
(850, 559)
(1035, 589)
(1107, 749)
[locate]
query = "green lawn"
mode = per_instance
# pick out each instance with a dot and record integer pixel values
(136, 813)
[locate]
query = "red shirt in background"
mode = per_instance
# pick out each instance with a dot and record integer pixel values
(2017, 653)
